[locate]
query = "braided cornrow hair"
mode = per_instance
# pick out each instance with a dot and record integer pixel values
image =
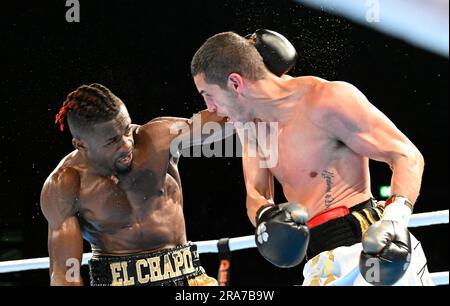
(89, 104)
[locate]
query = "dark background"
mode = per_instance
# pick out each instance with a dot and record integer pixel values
(142, 52)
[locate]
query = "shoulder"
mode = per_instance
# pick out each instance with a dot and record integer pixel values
(162, 129)
(163, 124)
(329, 99)
(61, 186)
(63, 180)
(65, 171)
(59, 195)
(63, 175)
(334, 93)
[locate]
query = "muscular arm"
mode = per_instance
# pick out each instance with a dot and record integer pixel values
(346, 114)
(188, 132)
(65, 241)
(258, 181)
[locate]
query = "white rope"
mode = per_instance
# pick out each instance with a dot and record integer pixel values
(429, 218)
(440, 278)
(238, 243)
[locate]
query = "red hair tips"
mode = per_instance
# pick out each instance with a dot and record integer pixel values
(62, 114)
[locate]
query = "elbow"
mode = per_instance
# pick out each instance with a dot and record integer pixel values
(417, 159)
(413, 157)
(421, 159)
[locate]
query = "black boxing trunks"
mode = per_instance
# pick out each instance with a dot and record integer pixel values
(179, 266)
(341, 226)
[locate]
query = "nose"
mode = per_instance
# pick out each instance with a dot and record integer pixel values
(210, 105)
(127, 144)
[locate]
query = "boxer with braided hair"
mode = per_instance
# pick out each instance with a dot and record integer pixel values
(121, 191)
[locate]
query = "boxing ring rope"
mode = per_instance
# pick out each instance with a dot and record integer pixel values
(246, 242)
(238, 243)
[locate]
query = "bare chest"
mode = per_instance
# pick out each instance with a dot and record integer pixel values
(107, 204)
(303, 152)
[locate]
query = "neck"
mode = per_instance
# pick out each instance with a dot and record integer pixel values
(97, 169)
(272, 99)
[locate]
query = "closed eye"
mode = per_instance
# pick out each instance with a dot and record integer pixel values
(205, 94)
(112, 140)
(128, 131)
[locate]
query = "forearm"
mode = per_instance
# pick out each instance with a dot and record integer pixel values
(407, 175)
(202, 128)
(61, 279)
(214, 127)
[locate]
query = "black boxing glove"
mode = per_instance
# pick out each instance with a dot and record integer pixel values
(278, 54)
(386, 244)
(282, 236)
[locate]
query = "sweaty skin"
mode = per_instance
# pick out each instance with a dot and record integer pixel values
(120, 214)
(327, 133)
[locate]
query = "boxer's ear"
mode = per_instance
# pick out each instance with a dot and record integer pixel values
(79, 144)
(235, 83)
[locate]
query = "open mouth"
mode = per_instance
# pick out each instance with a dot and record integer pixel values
(228, 119)
(126, 159)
